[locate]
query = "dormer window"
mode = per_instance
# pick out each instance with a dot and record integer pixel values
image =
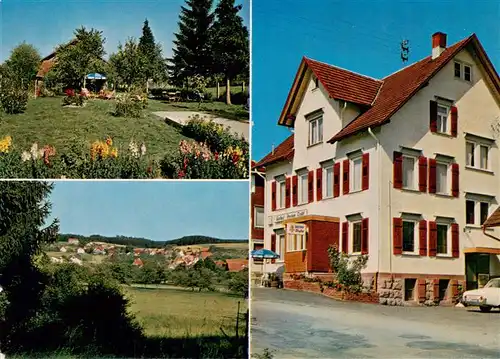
(463, 71)
(315, 128)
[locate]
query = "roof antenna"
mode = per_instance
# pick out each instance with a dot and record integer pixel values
(405, 50)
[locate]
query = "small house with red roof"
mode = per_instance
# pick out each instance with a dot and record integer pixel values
(205, 255)
(138, 262)
(236, 265)
(404, 169)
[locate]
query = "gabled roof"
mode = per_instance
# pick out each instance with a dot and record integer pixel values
(340, 84)
(401, 86)
(284, 151)
(493, 220)
(236, 265)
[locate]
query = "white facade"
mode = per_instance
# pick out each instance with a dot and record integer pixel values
(381, 202)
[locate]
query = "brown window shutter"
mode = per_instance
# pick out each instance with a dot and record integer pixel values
(421, 290)
(422, 229)
(397, 170)
(432, 175)
(432, 239)
(319, 184)
(422, 174)
(397, 227)
(365, 182)
(287, 192)
(345, 237)
(273, 196)
(295, 193)
(433, 111)
(455, 240)
(454, 121)
(435, 290)
(273, 245)
(310, 185)
(364, 236)
(455, 180)
(345, 176)
(336, 179)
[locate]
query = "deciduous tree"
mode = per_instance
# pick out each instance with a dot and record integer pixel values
(24, 62)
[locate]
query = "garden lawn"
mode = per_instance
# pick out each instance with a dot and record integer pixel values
(220, 109)
(48, 123)
(180, 313)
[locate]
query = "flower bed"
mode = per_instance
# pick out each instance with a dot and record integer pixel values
(217, 154)
(329, 289)
(100, 160)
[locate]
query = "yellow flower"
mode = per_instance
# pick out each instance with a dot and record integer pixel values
(109, 141)
(114, 152)
(99, 150)
(5, 144)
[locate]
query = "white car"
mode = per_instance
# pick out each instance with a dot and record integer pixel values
(485, 298)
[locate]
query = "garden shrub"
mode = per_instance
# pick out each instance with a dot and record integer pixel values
(130, 105)
(239, 98)
(13, 100)
(347, 271)
(73, 98)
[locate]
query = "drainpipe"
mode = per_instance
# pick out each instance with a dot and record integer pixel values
(379, 168)
(489, 235)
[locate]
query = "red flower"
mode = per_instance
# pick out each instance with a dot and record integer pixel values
(181, 174)
(185, 163)
(236, 157)
(216, 155)
(70, 92)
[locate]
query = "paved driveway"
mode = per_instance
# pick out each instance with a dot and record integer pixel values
(181, 117)
(306, 325)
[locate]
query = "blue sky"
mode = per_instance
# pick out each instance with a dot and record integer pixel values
(362, 36)
(47, 23)
(153, 210)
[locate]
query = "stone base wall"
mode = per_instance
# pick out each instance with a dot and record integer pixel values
(390, 291)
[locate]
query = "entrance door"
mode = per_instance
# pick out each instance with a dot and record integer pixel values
(477, 270)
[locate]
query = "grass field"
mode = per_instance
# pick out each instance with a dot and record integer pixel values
(242, 245)
(47, 122)
(178, 313)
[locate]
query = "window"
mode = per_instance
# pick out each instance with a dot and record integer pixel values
(296, 242)
(259, 217)
(410, 284)
(483, 159)
(442, 178)
(458, 70)
(316, 130)
(303, 193)
(470, 148)
(442, 239)
(467, 73)
(408, 172)
(463, 72)
(282, 196)
(474, 149)
(470, 212)
(442, 118)
(356, 174)
(484, 209)
(408, 236)
(328, 182)
(356, 237)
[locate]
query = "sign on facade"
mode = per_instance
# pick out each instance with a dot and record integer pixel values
(281, 217)
(296, 228)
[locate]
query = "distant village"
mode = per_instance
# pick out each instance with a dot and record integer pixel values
(73, 251)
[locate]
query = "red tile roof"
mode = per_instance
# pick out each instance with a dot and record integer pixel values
(343, 84)
(284, 151)
(493, 220)
(401, 86)
(205, 255)
(236, 265)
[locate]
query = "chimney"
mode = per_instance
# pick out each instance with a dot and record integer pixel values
(272, 151)
(438, 44)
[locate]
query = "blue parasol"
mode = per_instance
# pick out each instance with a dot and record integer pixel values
(264, 254)
(95, 76)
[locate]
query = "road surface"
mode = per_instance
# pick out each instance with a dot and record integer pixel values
(304, 325)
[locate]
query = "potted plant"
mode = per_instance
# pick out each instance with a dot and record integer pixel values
(273, 279)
